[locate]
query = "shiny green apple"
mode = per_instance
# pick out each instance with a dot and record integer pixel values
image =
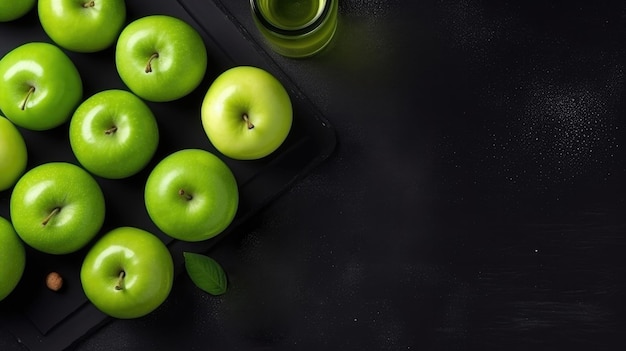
(160, 57)
(82, 25)
(12, 258)
(13, 154)
(57, 207)
(246, 113)
(114, 134)
(41, 86)
(191, 195)
(13, 9)
(128, 273)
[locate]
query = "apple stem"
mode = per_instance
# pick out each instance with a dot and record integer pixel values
(149, 64)
(111, 130)
(89, 4)
(187, 196)
(247, 120)
(30, 92)
(52, 214)
(120, 281)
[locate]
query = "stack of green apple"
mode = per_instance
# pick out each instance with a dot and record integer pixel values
(191, 194)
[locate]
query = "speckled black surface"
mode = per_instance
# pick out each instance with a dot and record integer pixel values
(475, 199)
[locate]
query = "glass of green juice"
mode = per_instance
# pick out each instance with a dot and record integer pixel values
(296, 28)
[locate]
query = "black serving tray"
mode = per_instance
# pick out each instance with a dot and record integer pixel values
(43, 320)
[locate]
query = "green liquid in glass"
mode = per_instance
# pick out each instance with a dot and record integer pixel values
(291, 14)
(296, 28)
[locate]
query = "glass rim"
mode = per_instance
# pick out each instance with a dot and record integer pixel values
(313, 23)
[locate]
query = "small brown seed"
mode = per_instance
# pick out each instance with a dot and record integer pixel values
(54, 281)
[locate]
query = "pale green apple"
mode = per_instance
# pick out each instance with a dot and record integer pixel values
(246, 113)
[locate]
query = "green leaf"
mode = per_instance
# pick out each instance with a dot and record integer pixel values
(206, 273)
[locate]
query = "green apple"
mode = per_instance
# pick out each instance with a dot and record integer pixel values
(160, 58)
(13, 9)
(128, 273)
(82, 25)
(114, 134)
(13, 154)
(246, 113)
(41, 86)
(191, 195)
(12, 258)
(57, 207)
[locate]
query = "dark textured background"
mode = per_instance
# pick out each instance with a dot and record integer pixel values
(475, 199)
